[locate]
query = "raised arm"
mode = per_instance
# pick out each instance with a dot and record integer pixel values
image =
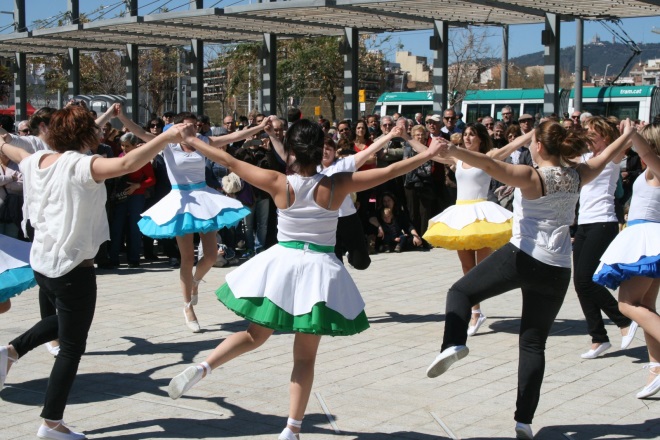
(272, 182)
(647, 154)
(110, 113)
(132, 126)
(361, 157)
(520, 176)
(14, 154)
(221, 141)
(107, 168)
(353, 182)
(590, 169)
(505, 151)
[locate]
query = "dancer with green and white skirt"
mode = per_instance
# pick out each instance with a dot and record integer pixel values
(299, 285)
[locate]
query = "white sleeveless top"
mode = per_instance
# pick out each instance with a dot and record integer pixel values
(342, 165)
(184, 168)
(645, 204)
(541, 226)
(305, 220)
(472, 183)
(597, 196)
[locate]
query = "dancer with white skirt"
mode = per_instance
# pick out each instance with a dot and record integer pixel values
(298, 285)
(474, 227)
(16, 275)
(191, 207)
(632, 261)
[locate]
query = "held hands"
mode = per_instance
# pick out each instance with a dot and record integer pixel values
(399, 132)
(267, 124)
(181, 132)
(440, 147)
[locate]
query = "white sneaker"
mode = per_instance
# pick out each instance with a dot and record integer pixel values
(181, 383)
(287, 434)
(473, 329)
(444, 360)
(46, 432)
(595, 352)
(4, 365)
(524, 431)
(627, 339)
(654, 386)
(52, 349)
(192, 325)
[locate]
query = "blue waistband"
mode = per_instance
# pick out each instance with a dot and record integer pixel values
(189, 187)
(640, 221)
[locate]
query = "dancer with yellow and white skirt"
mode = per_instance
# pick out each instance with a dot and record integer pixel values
(298, 285)
(15, 272)
(632, 261)
(474, 227)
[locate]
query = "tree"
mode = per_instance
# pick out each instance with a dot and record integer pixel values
(469, 56)
(5, 82)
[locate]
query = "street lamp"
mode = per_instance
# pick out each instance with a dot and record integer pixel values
(605, 76)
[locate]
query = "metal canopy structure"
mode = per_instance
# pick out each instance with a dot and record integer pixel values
(298, 18)
(267, 22)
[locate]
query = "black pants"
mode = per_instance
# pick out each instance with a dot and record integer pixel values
(351, 239)
(74, 297)
(423, 204)
(590, 243)
(543, 290)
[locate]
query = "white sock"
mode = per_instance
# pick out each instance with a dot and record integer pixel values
(206, 367)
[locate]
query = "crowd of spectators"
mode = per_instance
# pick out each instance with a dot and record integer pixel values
(394, 215)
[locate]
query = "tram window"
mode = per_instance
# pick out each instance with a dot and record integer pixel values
(533, 109)
(515, 108)
(376, 110)
(476, 111)
(595, 108)
(623, 110)
(409, 110)
(391, 109)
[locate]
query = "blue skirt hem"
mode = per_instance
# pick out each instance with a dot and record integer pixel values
(185, 223)
(15, 281)
(612, 276)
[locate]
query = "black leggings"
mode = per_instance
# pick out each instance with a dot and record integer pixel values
(590, 243)
(74, 297)
(543, 290)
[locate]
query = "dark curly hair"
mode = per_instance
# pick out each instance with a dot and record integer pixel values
(72, 129)
(304, 139)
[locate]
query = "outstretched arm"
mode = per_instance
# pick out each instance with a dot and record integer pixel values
(106, 168)
(221, 141)
(132, 126)
(14, 154)
(647, 154)
(110, 113)
(353, 182)
(505, 151)
(520, 176)
(590, 169)
(272, 182)
(361, 157)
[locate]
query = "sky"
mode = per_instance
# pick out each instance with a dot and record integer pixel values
(523, 39)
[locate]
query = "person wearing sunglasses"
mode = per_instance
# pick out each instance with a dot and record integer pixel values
(23, 128)
(449, 118)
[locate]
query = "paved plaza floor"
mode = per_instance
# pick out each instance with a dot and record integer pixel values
(370, 386)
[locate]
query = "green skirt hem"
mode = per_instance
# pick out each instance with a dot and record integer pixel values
(319, 321)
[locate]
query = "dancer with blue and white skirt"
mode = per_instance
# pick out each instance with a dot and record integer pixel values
(299, 285)
(191, 207)
(632, 261)
(15, 272)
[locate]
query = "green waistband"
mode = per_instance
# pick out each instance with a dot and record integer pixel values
(305, 245)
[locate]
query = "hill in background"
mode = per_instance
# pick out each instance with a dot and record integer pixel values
(596, 56)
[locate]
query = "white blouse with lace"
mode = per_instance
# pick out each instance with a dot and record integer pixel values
(541, 226)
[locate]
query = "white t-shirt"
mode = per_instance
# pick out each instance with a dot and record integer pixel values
(30, 143)
(597, 196)
(343, 165)
(66, 207)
